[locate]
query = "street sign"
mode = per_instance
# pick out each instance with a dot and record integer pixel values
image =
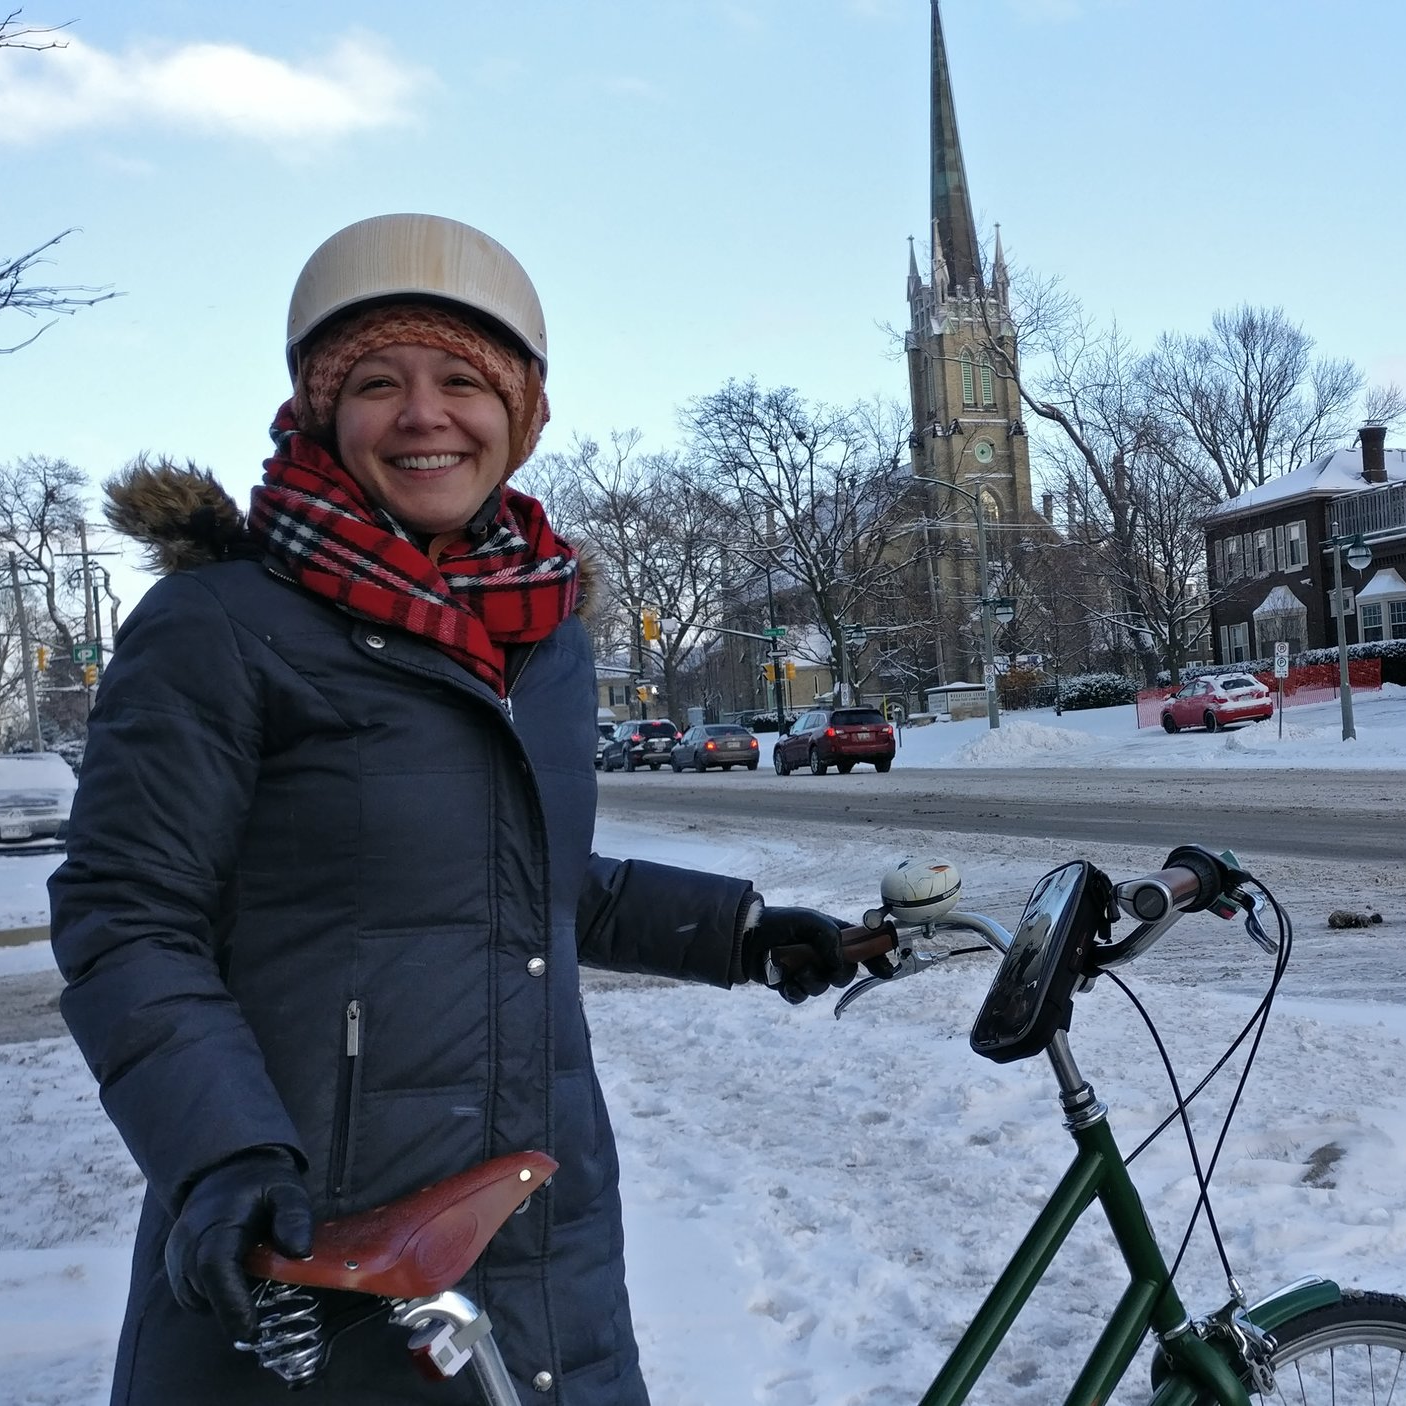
(90, 653)
(775, 632)
(990, 673)
(1281, 659)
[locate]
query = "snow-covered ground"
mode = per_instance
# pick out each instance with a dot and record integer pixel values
(815, 1208)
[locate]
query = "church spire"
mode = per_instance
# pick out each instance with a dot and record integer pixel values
(1000, 275)
(951, 203)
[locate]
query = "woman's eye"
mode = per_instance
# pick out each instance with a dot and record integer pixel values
(372, 383)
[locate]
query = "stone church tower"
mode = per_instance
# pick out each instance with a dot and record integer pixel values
(967, 424)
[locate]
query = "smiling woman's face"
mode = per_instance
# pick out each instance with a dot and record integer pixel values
(423, 433)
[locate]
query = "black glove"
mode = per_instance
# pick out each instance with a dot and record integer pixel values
(255, 1196)
(795, 951)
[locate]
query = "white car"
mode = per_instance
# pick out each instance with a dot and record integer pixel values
(36, 795)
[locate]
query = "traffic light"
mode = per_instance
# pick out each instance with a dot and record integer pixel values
(790, 671)
(769, 672)
(42, 657)
(642, 693)
(90, 674)
(649, 624)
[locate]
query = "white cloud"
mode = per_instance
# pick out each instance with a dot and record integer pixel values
(213, 88)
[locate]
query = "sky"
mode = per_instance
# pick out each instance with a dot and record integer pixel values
(701, 189)
(815, 1226)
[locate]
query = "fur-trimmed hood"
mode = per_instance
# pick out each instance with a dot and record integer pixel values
(183, 518)
(180, 515)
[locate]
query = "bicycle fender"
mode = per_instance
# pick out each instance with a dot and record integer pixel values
(1173, 1387)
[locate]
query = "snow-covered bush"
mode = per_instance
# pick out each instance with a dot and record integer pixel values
(1095, 691)
(764, 722)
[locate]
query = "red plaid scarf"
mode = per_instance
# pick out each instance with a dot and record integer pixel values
(514, 585)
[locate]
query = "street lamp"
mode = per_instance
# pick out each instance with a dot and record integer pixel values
(1002, 607)
(1359, 555)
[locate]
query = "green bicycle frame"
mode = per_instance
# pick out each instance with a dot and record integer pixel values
(1192, 1365)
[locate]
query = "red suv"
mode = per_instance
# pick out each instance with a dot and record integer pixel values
(838, 737)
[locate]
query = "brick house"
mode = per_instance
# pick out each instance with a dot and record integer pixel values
(1271, 570)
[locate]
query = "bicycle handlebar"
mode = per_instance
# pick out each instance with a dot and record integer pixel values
(862, 944)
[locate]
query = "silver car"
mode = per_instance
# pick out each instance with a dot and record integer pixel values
(36, 795)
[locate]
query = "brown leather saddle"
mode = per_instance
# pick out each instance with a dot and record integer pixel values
(419, 1245)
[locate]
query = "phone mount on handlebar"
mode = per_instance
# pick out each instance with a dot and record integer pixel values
(1032, 995)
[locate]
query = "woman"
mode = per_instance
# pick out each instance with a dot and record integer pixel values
(329, 874)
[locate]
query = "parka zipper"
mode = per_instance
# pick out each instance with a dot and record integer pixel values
(511, 680)
(346, 1098)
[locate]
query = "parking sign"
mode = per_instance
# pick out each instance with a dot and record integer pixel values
(1281, 659)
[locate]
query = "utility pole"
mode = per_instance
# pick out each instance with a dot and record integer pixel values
(776, 664)
(87, 582)
(36, 735)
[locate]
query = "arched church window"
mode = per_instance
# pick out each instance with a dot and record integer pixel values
(968, 379)
(988, 391)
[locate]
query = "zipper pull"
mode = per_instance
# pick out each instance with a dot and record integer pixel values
(354, 1029)
(508, 706)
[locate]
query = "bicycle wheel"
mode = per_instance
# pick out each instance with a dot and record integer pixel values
(1351, 1353)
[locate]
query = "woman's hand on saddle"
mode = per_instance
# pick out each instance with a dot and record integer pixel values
(796, 951)
(257, 1195)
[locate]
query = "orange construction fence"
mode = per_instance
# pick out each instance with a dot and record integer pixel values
(1310, 683)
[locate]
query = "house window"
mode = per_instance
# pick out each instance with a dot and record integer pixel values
(618, 694)
(988, 393)
(1264, 552)
(1219, 566)
(1239, 643)
(1295, 545)
(1369, 621)
(1397, 616)
(1232, 558)
(968, 383)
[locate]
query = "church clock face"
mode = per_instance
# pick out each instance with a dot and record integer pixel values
(983, 451)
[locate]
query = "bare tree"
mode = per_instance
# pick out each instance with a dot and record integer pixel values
(658, 538)
(1249, 398)
(41, 508)
(1384, 405)
(18, 291)
(15, 35)
(812, 489)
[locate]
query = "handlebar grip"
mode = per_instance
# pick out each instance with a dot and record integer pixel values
(1147, 898)
(1193, 879)
(862, 944)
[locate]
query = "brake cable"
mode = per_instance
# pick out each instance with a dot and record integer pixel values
(1257, 1024)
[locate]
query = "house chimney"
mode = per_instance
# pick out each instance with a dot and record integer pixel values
(1047, 507)
(1373, 439)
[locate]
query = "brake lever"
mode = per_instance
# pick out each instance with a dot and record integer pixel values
(907, 961)
(1252, 905)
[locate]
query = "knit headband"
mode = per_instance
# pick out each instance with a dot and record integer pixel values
(514, 376)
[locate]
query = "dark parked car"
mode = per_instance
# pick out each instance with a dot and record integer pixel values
(715, 744)
(837, 737)
(647, 742)
(1216, 700)
(604, 732)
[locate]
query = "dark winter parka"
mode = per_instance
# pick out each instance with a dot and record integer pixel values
(324, 890)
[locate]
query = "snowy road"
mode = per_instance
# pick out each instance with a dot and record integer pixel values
(1334, 815)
